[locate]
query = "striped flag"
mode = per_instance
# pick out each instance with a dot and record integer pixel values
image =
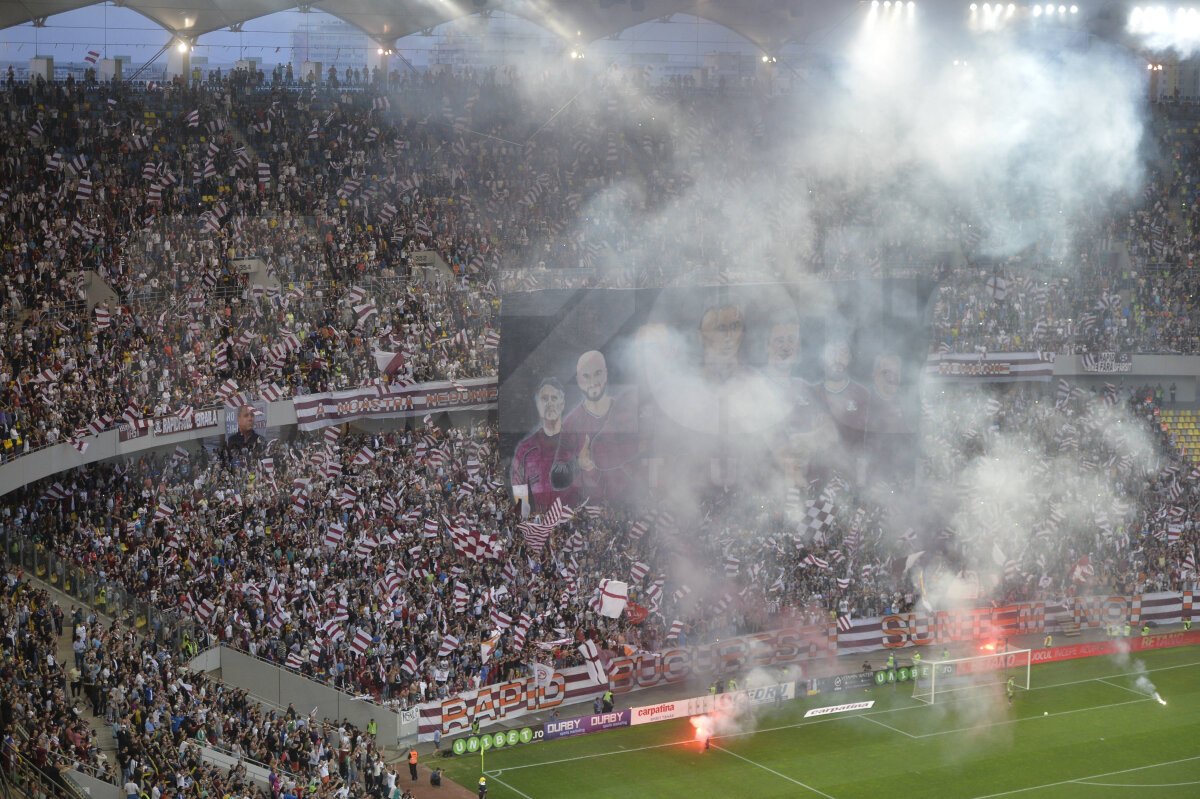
(491, 339)
(362, 640)
(449, 644)
(409, 665)
(205, 611)
(193, 119)
(335, 534)
(365, 457)
(364, 311)
(97, 425)
(103, 317)
(676, 629)
(843, 624)
(500, 620)
(91, 57)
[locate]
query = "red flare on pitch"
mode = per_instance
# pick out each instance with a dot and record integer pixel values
(703, 726)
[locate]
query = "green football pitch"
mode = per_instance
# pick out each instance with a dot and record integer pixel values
(1086, 728)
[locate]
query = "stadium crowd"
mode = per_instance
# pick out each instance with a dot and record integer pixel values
(160, 716)
(393, 564)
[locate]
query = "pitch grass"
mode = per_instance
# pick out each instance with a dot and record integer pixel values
(1104, 738)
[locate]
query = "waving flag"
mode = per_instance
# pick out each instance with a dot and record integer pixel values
(388, 362)
(364, 311)
(591, 657)
(614, 595)
(362, 640)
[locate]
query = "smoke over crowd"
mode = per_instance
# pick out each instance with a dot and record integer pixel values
(912, 145)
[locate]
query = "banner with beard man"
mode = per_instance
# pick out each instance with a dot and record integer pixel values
(710, 388)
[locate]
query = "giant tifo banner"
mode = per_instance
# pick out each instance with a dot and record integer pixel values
(619, 396)
(314, 411)
(990, 367)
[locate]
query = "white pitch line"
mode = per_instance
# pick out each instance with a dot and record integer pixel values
(773, 771)
(1086, 781)
(506, 785)
(1089, 777)
(1032, 718)
(865, 717)
(1122, 687)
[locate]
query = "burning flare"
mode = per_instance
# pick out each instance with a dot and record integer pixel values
(704, 728)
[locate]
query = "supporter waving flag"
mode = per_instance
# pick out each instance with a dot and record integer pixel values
(591, 658)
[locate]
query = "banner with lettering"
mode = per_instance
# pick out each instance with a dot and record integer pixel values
(314, 411)
(569, 728)
(170, 424)
(990, 367)
(794, 647)
(1106, 362)
(988, 623)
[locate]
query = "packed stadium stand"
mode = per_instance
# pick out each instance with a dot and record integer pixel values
(245, 240)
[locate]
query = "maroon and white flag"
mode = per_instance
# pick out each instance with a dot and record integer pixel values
(362, 640)
(614, 595)
(388, 362)
(591, 657)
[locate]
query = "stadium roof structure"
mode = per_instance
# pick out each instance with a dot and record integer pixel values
(769, 24)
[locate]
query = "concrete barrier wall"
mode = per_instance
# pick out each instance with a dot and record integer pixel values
(282, 687)
(108, 444)
(257, 774)
(92, 787)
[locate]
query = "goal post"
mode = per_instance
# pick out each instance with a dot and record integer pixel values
(945, 679)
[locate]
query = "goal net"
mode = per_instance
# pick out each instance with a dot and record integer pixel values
(937, 682)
